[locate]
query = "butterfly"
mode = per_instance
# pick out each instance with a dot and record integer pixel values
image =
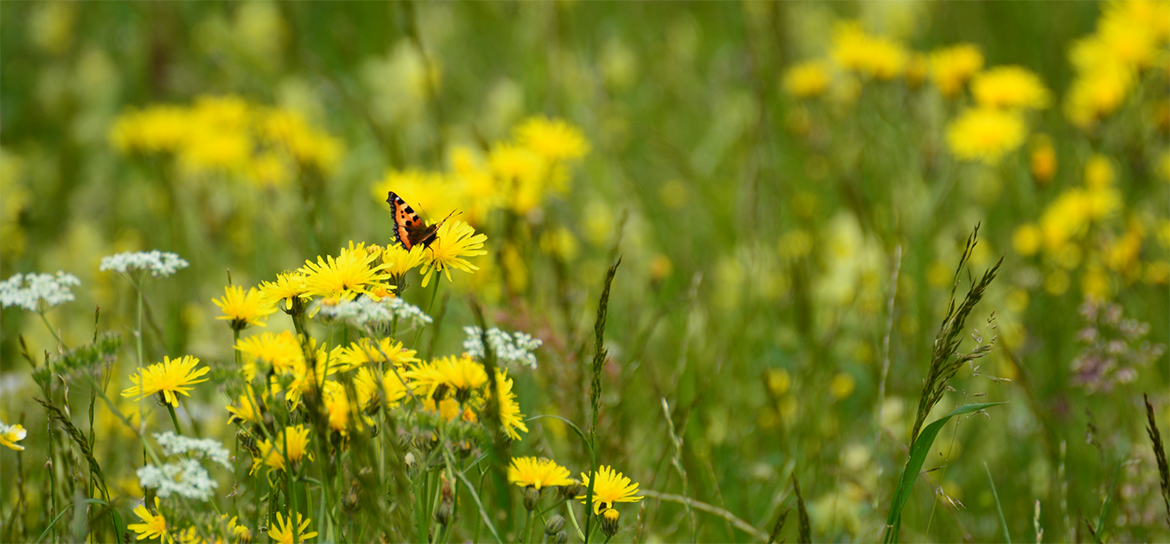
(409, 229)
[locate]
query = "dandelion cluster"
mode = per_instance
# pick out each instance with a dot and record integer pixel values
(158, 263)
(226, 134)
(517, 175)
(43, 291)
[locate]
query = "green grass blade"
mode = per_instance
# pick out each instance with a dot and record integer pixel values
(1105, 505)
(1007, 537)
(918, 451)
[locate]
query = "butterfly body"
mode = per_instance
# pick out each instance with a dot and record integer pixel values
(409, 229)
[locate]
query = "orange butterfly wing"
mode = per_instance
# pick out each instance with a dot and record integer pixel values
(409, 229)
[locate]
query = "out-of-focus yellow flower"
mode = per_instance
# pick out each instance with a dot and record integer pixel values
(951, 67)
(456, 241)
(1009, 87)
(246, 411)
(917, 67)
(985, 134)
(393, 384)
(1026, 240)
(856, 50)
(842, 385)
(553, 139)
(244, 308)
(1099, 173)
(166, 378)
(807, 79)
(354, 271)
(1043, 159)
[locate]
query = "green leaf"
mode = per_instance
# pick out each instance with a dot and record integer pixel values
(918, 452)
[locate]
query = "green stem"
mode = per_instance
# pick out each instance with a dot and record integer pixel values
(528, 525)
(577, 526)
(51, 329)
(174, 418)
(434, 294)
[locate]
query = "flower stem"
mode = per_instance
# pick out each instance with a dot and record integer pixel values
(174, 418)
(52, 330)
(528, 526)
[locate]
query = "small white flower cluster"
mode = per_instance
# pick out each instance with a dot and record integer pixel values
(363, 312)
(515, 348)
(158, 263)
(186, 478)
(174, 444)
(54, 290)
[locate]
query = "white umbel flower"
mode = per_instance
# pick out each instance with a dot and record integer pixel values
(158, 263)
(515, 348)
(43, 291)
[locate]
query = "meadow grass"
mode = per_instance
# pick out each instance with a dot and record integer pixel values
(709, 272)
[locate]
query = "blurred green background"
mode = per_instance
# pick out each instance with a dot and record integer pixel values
(759, 233)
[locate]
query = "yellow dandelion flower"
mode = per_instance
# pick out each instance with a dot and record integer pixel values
(553, 139)
(166, 378)
(305, 379)
(611, 487)
(856, 50)
(951, 67)
(538, 473)
(511, 419)
(365, 351)
(272, 452)
(337, 406)
(399, 261)
(282, 532)
(807, 79)
(1099, 172)
(1009, 87)
(1026, 239)
(463, 374)
(152, 526)
(244, 309)
(1043, 159)
(245, 410)
(392, 385)
(11, 434)
(351, 273)
(985, 134)
(289, 287)
(457, 240)
(282, 352)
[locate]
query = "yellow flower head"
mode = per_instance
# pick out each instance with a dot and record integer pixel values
(366, 384)
(1043, 159)
(553, 139)
(611, 487)
(1009, 87)
(337, 405)
(11, 434)
(456, 241)
(462, 374)
(244, 309)
(352, 272)
(282, 532)
(152, 526)
(510, 417)
(272, 452)
(289, 287)
(856, 50)
(538, 473)
(282, 352)
(247, 411)
(985, 134)
(168, 377)
(807, 79)
(399, 261)
(365, 351)
(950, 67)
